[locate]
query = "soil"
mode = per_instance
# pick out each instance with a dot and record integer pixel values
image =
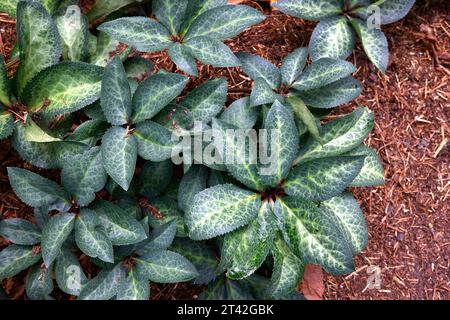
(408, 216)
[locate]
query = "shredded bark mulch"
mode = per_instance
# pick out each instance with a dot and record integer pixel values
(408, 216)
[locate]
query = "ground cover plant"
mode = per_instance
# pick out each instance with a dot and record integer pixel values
(121, 200)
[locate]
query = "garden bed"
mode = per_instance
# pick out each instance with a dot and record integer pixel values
(408, 216)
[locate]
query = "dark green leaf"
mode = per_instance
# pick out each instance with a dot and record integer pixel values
(183, 58)
(154, 178)
(5, 85)
(105, 285)
(293, 65)
(240, 114)
(394, 10)
(256, 67)
(192, 183)
(39, 283)
(310, 9)
(68, 272)
(20, 231)
(15, 258)
(133, 287)
(212, 51)
(372, 172)
(165, 209)
(170, 13)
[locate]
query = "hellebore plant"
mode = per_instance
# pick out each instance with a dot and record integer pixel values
(342, 20)
(188, 29)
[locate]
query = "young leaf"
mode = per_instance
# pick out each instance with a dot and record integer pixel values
(374, 43)
(310, 9)
(154, 141)
(119, 154)
(262, 93)
(183, 58)
(33, 133)
(200, 255)
(344, 211)
(372, 172)
(64, 88)
(5, 85)
(332, 38)
(73, 28)
(121, 228)
(6, 124)
(307, 118)
(102, 8)
(322, 179)
(333, 94)
(20, 231)
(159, 239)
(293, 65)
(83, 175)
(15, 258)
(133, 287)
(154, 178)
(322, 72)
(105, 285)
(141, 33)
(106, 49)
(55, 234)
(34, 190)
(244, 250)
(155, 93)
(170, 14)
(281, 120)
(221, 209)
(38, 40)
(165, 267)
(339, 136)
(224, 22)
(69, 275)
(394, 10)
(39, 283)
(212, 51)
(287, 271)
(195, 8)
(313, 237)
(192, 183)
(207, 100)
(90, 238)
(116, 94)
(240, 114)
(256, 67)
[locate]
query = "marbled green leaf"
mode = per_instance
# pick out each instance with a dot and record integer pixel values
(155, 177)
(39, 283)
(106, 49)
(133, 287)
(73, 28)
(280, 119)
(90, 238)
(322, 72)
(141, 33)
(103, 8)
(170, 13)
(207, 100)
(16, 258)
(191, 183)
(394, 10)
(6, 124)
(372, 172)
(256, 67)
(119, 154)
(116, 94)
(220, 209)
(240, 114)
(89, 132)
(69, 275)
(167, 209)
(54, 235)
(20, 231)
(83, 175)
(104, 286)
(344, 211)
(322, 179)
(374, 43)
(121, 228)
(9, 7)
(332, 38)
(165, 267)
(34, 190)
(262, 93)
(287, 271)
(155, 93)
(195, 8)
(212, 51)
(310, 9)
(303, 115)
(138, 68)
(339, 136)
(183, 58)
(64, 88)
(159, 238)
(224, 22)
(39, 42)
(333, 94)
(244, 250)
(313, 236)
(5, 85)
(154, 141)
(293, 65)
(200, 255)
(34, 133)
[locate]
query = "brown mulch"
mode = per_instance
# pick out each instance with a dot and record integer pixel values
(408, 217)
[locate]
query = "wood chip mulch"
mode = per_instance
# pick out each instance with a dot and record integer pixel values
(408, 217)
